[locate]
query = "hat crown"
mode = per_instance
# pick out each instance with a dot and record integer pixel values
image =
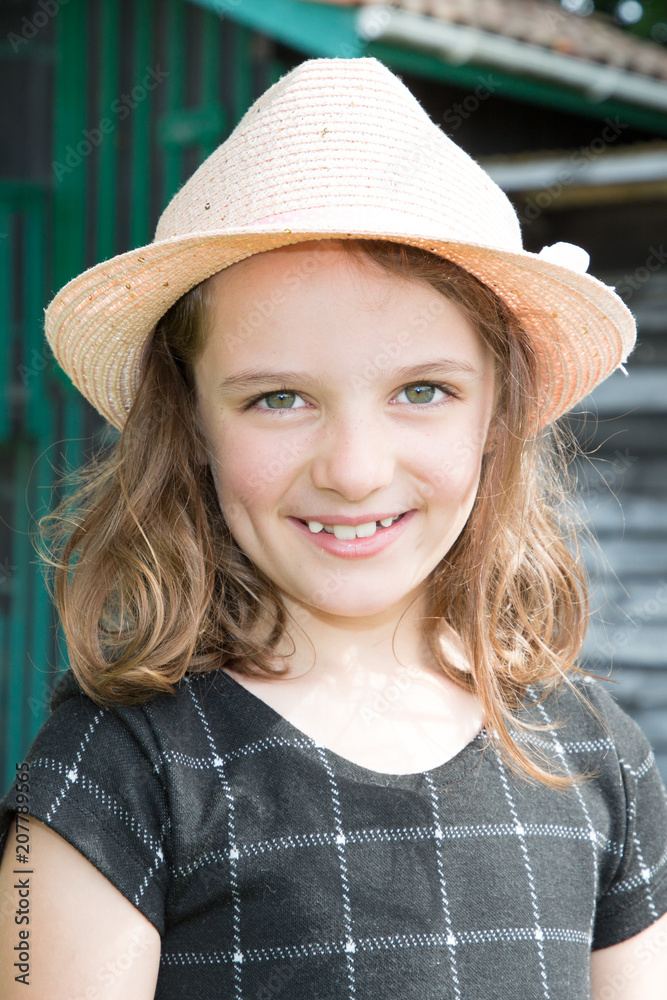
(342, 142)
(336, 149)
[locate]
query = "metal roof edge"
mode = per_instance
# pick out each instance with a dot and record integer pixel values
(333, 31)
(319, 30)
(513, 87)
(584, 166)
(460, 44)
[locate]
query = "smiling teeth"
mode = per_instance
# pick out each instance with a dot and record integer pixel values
(347, 532)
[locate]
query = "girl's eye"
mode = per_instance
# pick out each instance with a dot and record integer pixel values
(283, 398)
(421, 393)
(418, 394)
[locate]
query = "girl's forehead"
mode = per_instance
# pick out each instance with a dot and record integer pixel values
(324, 322)
(299, 259)
(314, 275)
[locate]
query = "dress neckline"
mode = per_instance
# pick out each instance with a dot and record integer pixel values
(450, 771)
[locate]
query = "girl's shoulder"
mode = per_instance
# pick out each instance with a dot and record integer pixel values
(585, 732)
(202, 709)
(209, 715)
(126, 770)
(582, 716)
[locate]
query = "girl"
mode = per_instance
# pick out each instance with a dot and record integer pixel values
(323, 734)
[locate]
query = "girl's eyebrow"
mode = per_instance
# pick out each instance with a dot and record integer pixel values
(249, 377)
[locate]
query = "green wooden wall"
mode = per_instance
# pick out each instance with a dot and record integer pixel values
(141, 93)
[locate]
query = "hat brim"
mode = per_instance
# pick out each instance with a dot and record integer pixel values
(99, 324)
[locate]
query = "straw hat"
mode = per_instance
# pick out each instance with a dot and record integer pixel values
(337, 148)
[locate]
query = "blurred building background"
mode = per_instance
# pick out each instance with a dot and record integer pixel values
(112, 104)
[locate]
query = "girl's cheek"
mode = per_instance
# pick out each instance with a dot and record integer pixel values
(248, 475)
(452, 471)
(449, 487)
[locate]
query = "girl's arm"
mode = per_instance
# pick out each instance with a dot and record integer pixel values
(86, 939)
(635, 969)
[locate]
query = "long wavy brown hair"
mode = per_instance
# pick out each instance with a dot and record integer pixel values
(149, 582)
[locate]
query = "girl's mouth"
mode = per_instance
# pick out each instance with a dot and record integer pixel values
(348, 532)
(351, 541)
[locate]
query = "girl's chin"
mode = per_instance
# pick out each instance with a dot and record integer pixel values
(354, 604)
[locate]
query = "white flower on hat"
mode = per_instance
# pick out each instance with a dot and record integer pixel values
(567, 255)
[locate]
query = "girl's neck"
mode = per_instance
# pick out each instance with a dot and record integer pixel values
(392, 710)
(327, 649)
(338, 657)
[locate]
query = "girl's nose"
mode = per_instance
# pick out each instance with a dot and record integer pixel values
(354, 458)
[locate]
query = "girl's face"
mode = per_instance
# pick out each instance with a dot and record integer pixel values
(330, 392)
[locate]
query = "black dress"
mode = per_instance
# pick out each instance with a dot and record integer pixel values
(272, 867)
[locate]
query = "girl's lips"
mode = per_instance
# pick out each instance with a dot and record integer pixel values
(357, 546)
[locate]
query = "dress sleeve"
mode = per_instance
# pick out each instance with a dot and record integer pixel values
(635, 894)
(94, 776)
